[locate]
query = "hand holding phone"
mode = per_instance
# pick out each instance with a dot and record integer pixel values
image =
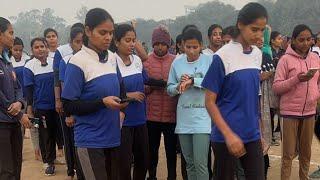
(113, 102)
(303, 77)
(312, 71)
(127, 100)
(136, 96)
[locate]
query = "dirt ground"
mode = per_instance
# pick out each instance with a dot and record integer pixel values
(33, 170)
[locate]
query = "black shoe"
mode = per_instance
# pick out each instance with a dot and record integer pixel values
(50, 170)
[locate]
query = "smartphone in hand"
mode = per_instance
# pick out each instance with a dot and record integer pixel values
(127, 100)
(312, 71)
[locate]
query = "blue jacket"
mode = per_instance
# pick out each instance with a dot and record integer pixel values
(10, 91)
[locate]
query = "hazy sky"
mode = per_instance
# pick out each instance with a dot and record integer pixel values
(121, 10)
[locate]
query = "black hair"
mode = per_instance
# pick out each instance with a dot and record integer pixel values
(249, 13)
(178, 41)
(39, 39)
(113, 47)
(74, 32)
(121, 30)
(48, 30)
(95, 17)
(79, 25)
(274, 35)
(229, 30)
(192, 34)
(298, 29)
(18, 41)
(189, 26)
(213, 27)
(4, 24)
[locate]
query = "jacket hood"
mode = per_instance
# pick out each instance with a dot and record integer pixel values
(293, 53)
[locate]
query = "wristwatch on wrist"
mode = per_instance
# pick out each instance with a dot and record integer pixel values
(192, 79)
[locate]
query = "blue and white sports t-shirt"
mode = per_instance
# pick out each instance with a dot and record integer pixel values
(87, 79)
(63, 66)
(42, 79)
(51, 56)
(134, 77)
(18, 66)
(60, 53)
(234, 77)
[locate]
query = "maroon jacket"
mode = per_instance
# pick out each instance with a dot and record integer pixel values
(160, 106)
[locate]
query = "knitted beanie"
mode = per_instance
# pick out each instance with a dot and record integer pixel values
(161, 35)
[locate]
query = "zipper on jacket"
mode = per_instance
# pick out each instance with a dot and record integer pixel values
(306, 93)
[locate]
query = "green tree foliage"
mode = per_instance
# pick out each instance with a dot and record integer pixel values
(286, 14)
(31, 24)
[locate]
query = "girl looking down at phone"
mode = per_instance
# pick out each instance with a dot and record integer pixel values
(297, 87)
(92, 86)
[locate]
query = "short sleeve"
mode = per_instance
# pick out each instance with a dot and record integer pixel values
(214, 79)
(62, 70)
(28, 77)
(56, 60)
(73, 82)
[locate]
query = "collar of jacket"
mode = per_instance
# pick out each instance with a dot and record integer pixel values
(160, 58)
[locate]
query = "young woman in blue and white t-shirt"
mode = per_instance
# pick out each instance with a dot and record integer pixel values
(134, 133)
(91, 94)
(38, 82)
(232, 98)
